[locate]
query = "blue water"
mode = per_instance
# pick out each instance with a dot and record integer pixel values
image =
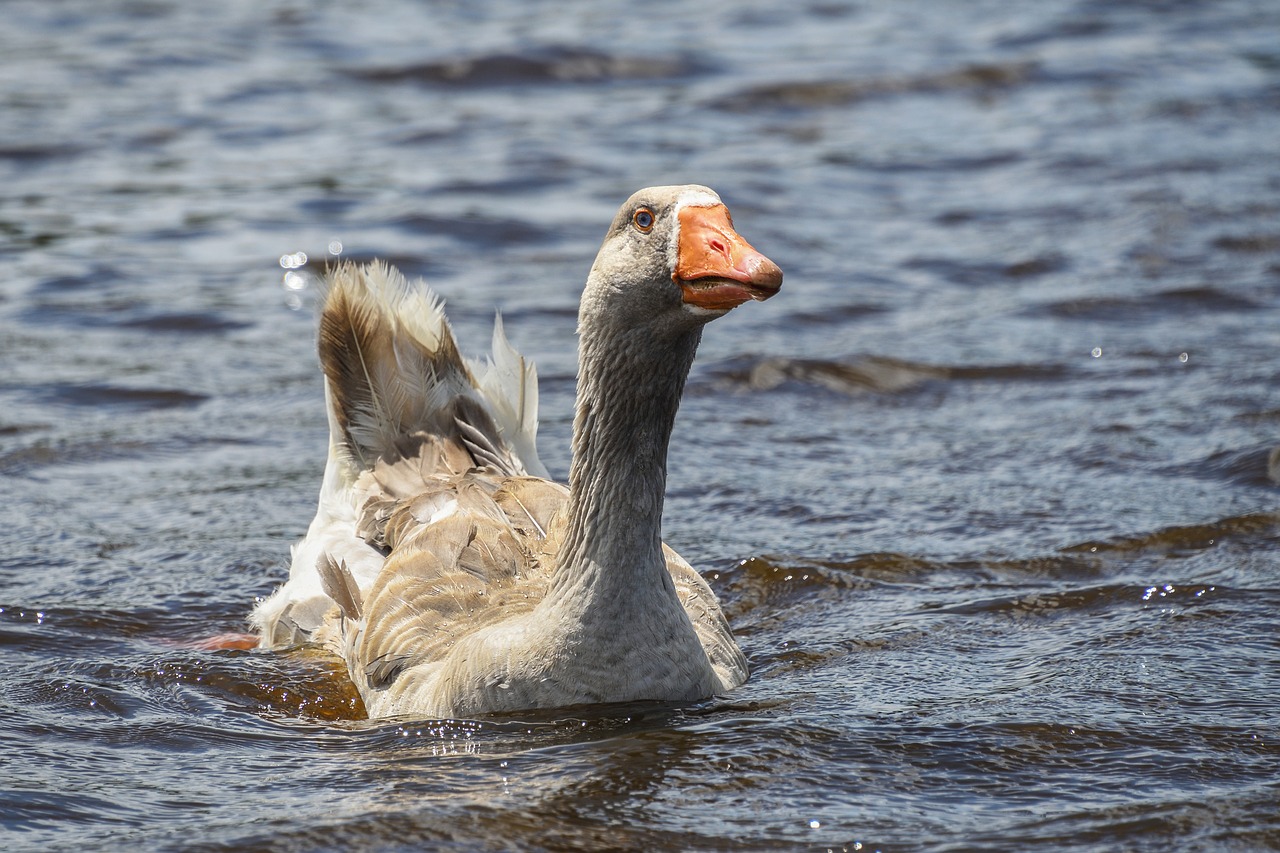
(990, 492)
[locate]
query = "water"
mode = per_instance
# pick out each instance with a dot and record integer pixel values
(989, 492)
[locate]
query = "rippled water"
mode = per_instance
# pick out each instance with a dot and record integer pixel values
(990, 493)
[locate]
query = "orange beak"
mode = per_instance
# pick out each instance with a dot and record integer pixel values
(715, 267)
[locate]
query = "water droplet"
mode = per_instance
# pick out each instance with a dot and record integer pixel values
(335, 247)
(814, 824)
(1097, 352)
(1182, 357)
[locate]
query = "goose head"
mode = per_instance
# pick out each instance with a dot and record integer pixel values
(672, 261)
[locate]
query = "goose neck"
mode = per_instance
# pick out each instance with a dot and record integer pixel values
(629, 389)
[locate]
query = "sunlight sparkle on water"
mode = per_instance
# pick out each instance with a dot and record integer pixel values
(294, 284)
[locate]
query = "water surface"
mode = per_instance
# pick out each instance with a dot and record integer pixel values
(990, 492)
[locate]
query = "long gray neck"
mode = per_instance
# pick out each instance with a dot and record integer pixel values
(629, 388)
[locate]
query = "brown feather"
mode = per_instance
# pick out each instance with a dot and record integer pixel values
(340, 586)
(376, 367)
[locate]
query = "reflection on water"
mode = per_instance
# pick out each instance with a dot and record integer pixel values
(989, 494)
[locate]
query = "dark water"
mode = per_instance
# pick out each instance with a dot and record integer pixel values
(990, 492)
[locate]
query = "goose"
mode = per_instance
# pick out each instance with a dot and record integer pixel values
(447, 569)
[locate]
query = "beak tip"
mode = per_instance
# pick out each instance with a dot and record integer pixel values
(766, 276)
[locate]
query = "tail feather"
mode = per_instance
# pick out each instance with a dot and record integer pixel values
(403, 405)
(390, 359)
(509, 383)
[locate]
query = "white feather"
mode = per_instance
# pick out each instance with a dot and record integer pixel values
(508, 383)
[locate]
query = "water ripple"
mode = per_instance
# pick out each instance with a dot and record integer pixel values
(546, 65)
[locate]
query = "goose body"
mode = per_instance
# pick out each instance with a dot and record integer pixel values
(446, 568)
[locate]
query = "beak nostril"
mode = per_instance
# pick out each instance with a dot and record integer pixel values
(717, 246)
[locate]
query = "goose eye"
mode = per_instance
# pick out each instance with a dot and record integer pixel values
(643, 219)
